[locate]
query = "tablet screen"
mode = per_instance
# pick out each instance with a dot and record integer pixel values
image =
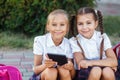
(60, 59)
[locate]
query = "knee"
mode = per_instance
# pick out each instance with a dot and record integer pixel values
(108, 73)
(50, 74)
(96, 72)
(64, 73)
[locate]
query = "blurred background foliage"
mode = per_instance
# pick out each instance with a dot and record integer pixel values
(21, 20)
(29, 16)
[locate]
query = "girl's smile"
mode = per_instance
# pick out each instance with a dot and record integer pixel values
(58, 27)
(86, 25)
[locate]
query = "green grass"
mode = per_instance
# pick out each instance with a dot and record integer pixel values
(112, 25)
(112, 28)
(11, 40)
(114, 39)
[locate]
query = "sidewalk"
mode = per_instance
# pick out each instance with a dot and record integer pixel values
(22, 59)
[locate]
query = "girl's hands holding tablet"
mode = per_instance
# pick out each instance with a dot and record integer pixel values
(49, 62)
(60, 59)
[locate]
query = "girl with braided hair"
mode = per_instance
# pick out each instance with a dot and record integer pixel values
(92, 49)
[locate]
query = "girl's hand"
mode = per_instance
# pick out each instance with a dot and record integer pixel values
(84, 64)
(68, 66)
(49, 62)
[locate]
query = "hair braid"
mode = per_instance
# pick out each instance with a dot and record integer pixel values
(100, 21)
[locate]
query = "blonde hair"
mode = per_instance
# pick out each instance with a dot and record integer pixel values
(53, 14)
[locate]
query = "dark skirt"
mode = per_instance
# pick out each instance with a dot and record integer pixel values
(82, 74)
(117, 73)
(35, 77)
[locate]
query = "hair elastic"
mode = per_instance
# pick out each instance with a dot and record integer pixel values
(96, 11)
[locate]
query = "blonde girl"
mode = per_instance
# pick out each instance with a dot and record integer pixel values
(53, 42)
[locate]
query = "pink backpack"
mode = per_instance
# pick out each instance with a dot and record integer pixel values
(9, 73)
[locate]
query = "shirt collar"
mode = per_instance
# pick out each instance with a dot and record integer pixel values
(50, 42)
(92, 38)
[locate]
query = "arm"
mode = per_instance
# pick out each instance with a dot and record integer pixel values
(78, 57)
(72, 71)
(38, 48)
(110, 61)
(69, 66)
(38, 67)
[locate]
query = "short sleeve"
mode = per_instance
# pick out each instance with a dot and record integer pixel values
(74, 46)
(69, 52)
(107, 43)
(37, 46)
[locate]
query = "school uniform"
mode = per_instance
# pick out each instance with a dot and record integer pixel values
(91, 47)
(44, 44)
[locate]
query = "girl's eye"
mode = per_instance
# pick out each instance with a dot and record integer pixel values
(62, 24)
(80, 24)
(54, 24)
(88, 22)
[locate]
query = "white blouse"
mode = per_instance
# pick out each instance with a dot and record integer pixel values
(91, 47)
(44, 44)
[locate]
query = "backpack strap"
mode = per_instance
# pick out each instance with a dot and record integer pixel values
(2, 64)
(118, 52)
(116, 49)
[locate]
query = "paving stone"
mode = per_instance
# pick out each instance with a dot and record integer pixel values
(26, 63)
(13, 56)
(23, 60)
(10, 60)
(27, 59)
(1, 56)
(22, 70)
(26, 78)
(27, 74)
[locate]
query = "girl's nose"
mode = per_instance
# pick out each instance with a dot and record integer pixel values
(58, 27)
(84, 26)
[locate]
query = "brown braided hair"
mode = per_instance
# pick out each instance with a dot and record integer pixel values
(100, 19)
(97, 17)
